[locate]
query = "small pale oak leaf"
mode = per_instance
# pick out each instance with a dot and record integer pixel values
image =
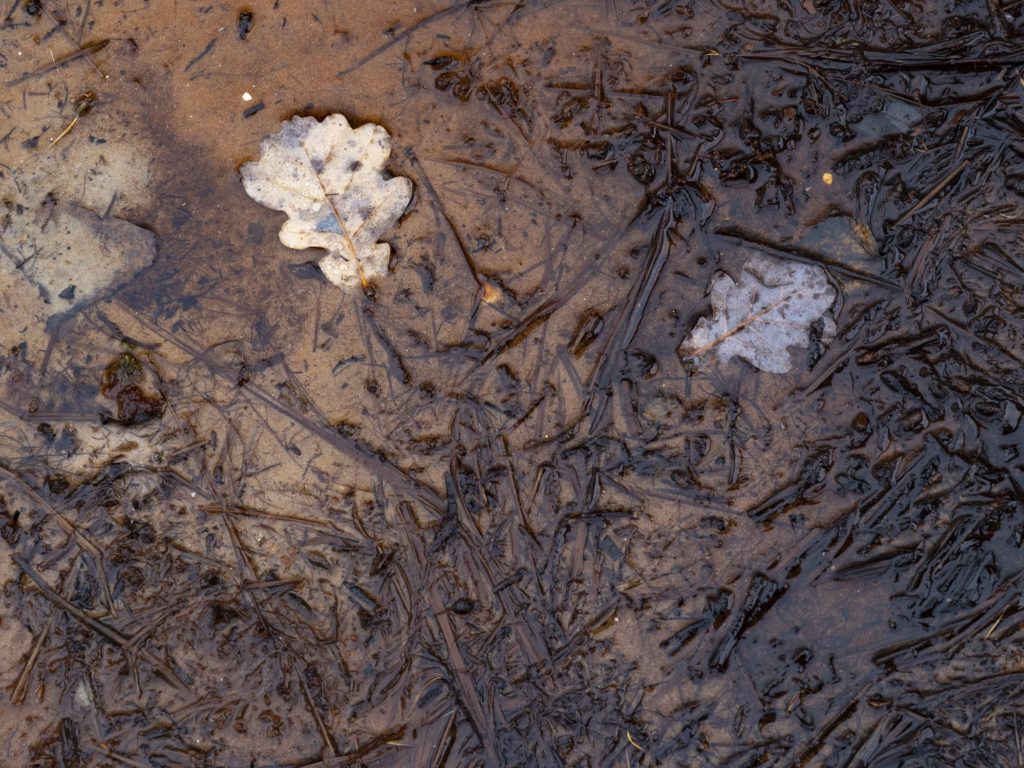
(765, 314)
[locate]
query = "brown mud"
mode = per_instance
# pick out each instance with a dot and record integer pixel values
(251, 520)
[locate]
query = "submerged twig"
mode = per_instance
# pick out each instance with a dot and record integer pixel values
(428, 185)
(99, 45)
(627, 324)
(932, 193)
(407, 32)
(803, 257)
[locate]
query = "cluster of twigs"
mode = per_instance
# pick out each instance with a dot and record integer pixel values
(552, 541)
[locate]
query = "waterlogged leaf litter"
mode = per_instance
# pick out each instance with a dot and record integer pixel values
(430, 529)
(764, 314)
(328, 178)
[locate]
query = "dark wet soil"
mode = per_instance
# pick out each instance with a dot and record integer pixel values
(251, 520)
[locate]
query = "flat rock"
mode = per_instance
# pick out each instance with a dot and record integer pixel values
(60, 256)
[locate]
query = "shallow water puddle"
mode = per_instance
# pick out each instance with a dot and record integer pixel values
(489, 508)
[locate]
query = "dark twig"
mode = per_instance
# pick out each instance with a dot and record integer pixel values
(804, 257)
(87, 50)
(932, 193)
(425, 179)
(85, 20)
(627, 324)
(406, 33)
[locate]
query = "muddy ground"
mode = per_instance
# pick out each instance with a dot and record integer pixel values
(250, 519)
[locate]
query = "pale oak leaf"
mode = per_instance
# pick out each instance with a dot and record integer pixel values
(765, 314)
(329, 179)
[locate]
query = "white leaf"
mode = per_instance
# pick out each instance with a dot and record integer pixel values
(767, 312)
(327, 178)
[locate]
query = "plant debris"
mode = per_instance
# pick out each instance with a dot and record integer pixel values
(329, 179)
(766, 313)
(493, 512)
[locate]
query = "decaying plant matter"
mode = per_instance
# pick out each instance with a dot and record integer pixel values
(766, 313)
(248, 519)
(328, 178)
